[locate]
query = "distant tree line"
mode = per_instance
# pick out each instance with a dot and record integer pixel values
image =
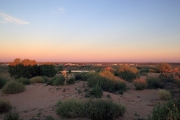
(29, 68)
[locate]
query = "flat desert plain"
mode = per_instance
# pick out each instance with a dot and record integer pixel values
(39, 101)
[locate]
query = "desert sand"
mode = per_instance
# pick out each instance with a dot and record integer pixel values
(39, 100)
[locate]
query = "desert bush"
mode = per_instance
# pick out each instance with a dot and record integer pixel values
(13, 87)
(71, 81)
(164, 94)
(165, 111)
(106, 84)
(5, 106)
(127, 73)
(78, 76)
(59, 80)
(166, 77)
(164, 67)
(12, 116)
(103, 109)
(71, 109)
(140, 84)
(45, 78)
(37, 79)
(154, 82)
(96, 91)
(94, 109)
(2, 82)
(24, 81)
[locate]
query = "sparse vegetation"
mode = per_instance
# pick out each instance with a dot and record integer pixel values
(164, 67)
(94, 109)
(96, 91)
(164, 94)
(13, 87)
(127, 73)
(106, 84)
(37, 79)
(57, 80)
(165, 111)
(154, 82)
(24, 81)
(12, 116)
(140, 84)
(71, 81)
(5, 106)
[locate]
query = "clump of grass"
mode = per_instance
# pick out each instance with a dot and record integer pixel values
(165, 111)
(37, 79)
(96, 91)
(24, 81)
(5, 106)
(45, 78)
(13, 87)
(12, 116)
(94, 109)
(154, 82)
(164, 94)
(140, 84)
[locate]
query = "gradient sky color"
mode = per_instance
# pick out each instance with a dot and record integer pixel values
(90, 30)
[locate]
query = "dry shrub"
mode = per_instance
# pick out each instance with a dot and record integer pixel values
(140, 84)
(164, 94)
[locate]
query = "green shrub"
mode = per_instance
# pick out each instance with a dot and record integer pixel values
(45, 78)
(24, 81)
(5, 106)
(37, 79)
(71, 109)
(2, 82)
(106, 84)
(11, 116)
(166, 77)
(164, 94)
(71, 81)
(165, 111)
(86, 76)
(58, 80)
(140, 84)
(78, 76)
(154, 82)
(94, 109)
(13, 87)
(103, 109)
(97, 91)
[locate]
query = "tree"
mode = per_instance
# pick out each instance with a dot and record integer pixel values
(164, 67)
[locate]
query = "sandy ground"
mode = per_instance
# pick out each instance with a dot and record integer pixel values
(39, 100)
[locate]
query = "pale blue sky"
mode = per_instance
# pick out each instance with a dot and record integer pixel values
(90, 30)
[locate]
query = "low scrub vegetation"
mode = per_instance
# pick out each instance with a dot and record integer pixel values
(127, 73)
(5, 106)
(154, 82)
(84, 76)
(37, 79)
(165, 111)
(96, 91)
(24, 81)
(12, 116)
(140, 84)
(71, 81)
(13, 87)
(107, 84)
(57, 80)
(164, 94)
(93, 109)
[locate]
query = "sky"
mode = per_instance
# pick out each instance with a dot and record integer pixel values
(90, 30)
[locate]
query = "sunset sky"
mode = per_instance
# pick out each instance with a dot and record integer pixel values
(90, 30)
